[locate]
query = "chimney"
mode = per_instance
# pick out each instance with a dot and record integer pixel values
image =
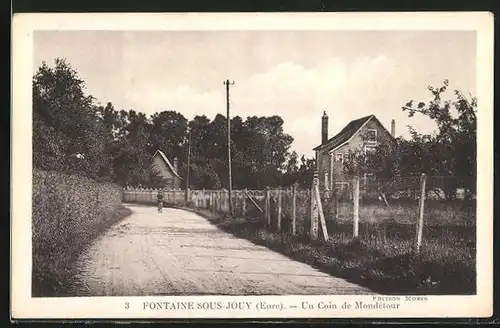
(393, 128)
(324, 128)
(176, 165)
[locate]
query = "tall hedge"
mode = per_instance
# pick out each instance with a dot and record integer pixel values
(67, 212)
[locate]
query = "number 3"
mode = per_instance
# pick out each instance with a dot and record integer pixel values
(126, 305)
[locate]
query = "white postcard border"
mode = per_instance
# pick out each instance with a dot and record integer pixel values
(24, 306)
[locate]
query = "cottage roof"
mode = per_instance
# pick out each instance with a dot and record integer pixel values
(165, 159)
(345, 134)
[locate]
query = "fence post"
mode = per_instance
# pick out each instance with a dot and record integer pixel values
(236, 199)
(222, 201)
(226, 201)
(326, 201)
(355, 197)
(244, 205)
(321, 214)
(279, 209)
(294, 209)
(420, 224)
(336, 204)
(219, 197)
(268, 206)
(314, 209)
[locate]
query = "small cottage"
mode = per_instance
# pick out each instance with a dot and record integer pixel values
(168, 172)
(364, 133)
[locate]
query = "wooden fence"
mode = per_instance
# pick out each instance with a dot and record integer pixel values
(289, 210)
(148, 196)
(282, 208)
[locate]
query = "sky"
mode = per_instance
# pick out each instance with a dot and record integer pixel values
(294, 74)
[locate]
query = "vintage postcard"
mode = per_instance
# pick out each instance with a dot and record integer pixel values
(244, 165)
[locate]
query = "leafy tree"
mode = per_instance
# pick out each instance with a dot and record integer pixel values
(306, 172)
(291, 172)
(452, 149)
(265, 149)
(67, 134)
(259, 149)
(448, 152)
(74, 134)
(168, 133)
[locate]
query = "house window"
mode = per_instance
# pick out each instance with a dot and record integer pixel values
(371, 135)
(369, 149)
(326, 180)
(339, 157)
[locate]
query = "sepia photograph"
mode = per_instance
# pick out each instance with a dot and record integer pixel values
(186, 163)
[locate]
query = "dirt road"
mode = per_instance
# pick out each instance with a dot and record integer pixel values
(181, 253)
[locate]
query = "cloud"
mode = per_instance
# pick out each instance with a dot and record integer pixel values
(294, 75)
(298, 94)
(182, 98)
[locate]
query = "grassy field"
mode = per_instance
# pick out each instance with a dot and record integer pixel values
(382, 257)
(406, 211)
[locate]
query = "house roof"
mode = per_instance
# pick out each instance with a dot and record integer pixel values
(345, 134)
(165, 159)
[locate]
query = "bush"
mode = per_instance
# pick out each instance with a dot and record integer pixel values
(68, 212)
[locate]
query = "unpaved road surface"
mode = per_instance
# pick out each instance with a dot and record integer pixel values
(180, 253)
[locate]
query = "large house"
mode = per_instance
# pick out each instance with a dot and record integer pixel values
(364, 133)
(168, 172)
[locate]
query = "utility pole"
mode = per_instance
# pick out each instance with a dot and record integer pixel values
(188, 166)
(227, 83)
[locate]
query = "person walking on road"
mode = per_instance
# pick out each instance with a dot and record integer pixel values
(160, 201)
